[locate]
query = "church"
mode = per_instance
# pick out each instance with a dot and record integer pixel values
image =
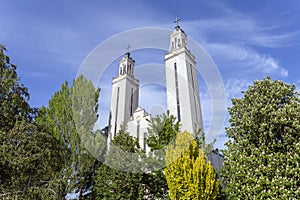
(183, 99)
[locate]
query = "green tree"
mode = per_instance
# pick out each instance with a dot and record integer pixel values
(161, 132)
(30, 157)
(118, 177)
(13, 95)
(188, 172)
(71, 116)
(263, 153)
(30, 164)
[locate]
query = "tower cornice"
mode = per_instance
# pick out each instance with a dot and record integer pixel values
(127, 77)
(177, 52)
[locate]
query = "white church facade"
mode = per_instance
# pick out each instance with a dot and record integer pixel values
(183, 100)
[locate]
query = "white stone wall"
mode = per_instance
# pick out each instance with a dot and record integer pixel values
(137, 127)
(120, 101)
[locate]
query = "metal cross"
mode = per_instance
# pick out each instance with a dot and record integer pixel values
(177, 20)
(127, 48)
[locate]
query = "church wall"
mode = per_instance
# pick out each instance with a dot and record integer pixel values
(194, 97)
(184, 90)
(120, 106)
(137, 127)
(171, 87)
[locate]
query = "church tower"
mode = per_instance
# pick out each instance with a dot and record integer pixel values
(125, 96)
(183, 98)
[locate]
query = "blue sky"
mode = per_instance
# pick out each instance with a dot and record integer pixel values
(247, 40)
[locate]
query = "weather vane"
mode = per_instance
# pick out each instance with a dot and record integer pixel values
(176, 21)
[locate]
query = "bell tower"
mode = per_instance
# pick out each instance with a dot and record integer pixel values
(183, 100)
(125, 96)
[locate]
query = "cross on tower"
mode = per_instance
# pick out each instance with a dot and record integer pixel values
(127, 48)
(176, 21)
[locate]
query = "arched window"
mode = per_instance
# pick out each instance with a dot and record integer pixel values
(175, 42)
(123, 69)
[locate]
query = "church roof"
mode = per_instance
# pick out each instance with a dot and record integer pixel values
(139, 109)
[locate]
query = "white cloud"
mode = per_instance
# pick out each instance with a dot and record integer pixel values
(240, 28)
(276, 40)
(242, 58)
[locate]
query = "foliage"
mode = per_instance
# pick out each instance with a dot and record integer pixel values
(122, 176)
(161, 131)
(30, 162)
(188, 172)
(117, 178)
(201, 143)
(71, 116)
(263, 155)
(30, 157)
(13, 95)
(85, 106)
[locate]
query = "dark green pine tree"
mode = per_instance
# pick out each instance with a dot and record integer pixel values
(30, 157)
(13, 95)
(31, 162)
(263, 152)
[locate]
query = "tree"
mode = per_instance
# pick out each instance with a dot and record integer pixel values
(71, 116)
(13, 95)
(118, 177)
(30, 157)
(188, 172)
(30, 164)
(162, 131)
(263, 153)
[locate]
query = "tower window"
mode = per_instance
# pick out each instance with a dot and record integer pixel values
(145, 142)
(194, 90)
(175, 42)
(192, 76)
(131, 103)
(117, 108)
(131, 71)
(177, 93)
(138, 130)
